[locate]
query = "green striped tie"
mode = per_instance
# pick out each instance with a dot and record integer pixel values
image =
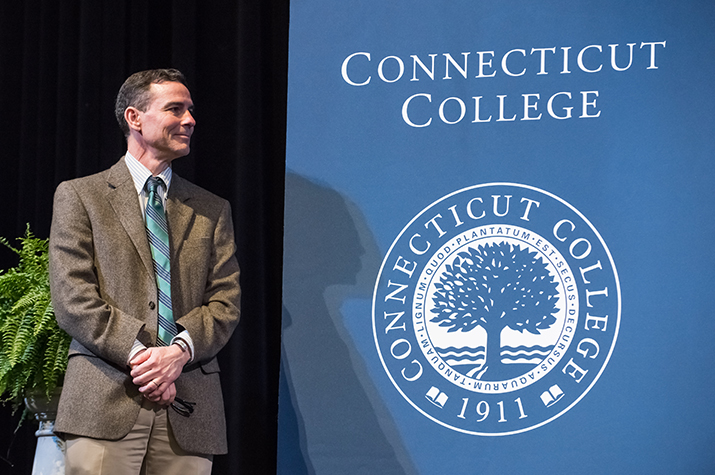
(158, 234)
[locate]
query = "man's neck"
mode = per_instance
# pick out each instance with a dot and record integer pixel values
(153, 163)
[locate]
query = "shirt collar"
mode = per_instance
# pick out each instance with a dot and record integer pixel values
(140, 173)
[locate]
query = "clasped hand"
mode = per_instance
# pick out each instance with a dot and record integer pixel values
(155, 369)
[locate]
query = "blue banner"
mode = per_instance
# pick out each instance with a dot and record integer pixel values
(498, 238)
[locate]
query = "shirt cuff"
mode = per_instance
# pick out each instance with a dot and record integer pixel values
(136, 348)
(186, 338)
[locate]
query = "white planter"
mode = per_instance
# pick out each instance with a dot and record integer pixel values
(49, 455)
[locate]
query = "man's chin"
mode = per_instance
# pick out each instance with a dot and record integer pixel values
(182, 151)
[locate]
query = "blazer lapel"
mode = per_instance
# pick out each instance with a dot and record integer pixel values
(122, 196)
(179, 214)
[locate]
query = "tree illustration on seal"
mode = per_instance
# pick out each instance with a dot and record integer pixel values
(493, 287)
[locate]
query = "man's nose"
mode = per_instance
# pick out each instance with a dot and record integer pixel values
(188, 119)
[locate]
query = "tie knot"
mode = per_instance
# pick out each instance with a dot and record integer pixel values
(153, 183)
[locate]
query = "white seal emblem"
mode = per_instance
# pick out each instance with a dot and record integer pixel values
(496, 309)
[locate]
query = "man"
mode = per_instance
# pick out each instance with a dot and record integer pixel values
(144, 278)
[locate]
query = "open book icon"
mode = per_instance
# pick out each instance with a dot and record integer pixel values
(552, 396)
(436, 397)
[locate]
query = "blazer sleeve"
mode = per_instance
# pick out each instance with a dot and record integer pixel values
(103, 329)
(212, 323)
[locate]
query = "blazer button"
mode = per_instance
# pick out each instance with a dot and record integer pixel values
(152, 306)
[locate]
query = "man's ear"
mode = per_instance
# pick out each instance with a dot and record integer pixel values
(133, 118)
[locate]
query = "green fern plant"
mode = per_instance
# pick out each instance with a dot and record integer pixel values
(33, 349)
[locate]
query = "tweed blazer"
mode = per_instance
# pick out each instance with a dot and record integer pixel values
(105, 296)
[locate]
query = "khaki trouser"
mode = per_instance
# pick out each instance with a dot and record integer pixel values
(148, 449)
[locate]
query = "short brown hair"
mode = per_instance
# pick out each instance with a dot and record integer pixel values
(135, 91)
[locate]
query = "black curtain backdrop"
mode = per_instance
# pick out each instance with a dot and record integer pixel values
(61, 65)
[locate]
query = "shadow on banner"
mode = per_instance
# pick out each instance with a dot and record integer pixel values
(331, 419)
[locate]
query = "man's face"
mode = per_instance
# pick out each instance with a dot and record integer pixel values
(168, 123)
